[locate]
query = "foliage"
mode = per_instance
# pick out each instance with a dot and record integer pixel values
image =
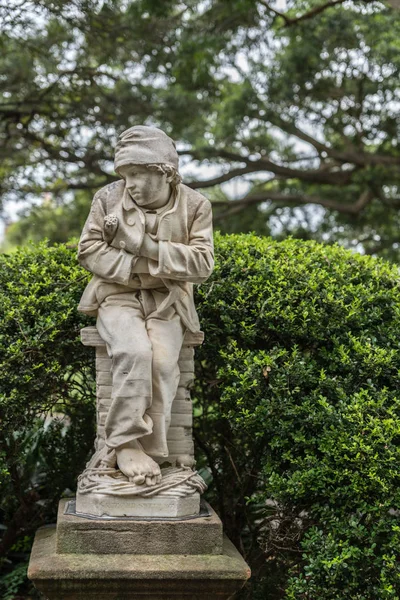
(13, 583)
(298, 394)
(296, 402)
(303, 105)
(49, 221)
(46, 396)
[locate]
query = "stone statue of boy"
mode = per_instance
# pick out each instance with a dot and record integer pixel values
(147, 240)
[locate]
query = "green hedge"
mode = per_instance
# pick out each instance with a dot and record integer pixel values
(296, 401)
(45, 371)
(302, 358)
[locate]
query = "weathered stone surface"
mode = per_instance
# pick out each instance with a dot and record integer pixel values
(168, 462)
(101, 418)
(104, 391)
(101, 351)
(182, 405)
(125, 506)
(103, 378)
(202, 535)
(134, 577)
(181, 446)
(103, 364)
(104, 404)
(179, 433)
(91, 337)
(179, 441)
(186, 380)
(187, 353)
(182, 420)
(186, 366)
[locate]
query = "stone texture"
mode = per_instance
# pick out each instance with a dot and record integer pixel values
(127, 506)
(178, 443)
(91, 337)
(128, 577)
(202, 535)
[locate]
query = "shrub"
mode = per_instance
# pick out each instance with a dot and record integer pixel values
(299, 410)
(296, 403)
(46, 395)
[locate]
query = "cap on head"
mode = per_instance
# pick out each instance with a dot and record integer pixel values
(141, 145)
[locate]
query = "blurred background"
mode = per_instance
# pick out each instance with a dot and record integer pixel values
(285, 113)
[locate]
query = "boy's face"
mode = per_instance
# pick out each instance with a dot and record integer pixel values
(145, 186)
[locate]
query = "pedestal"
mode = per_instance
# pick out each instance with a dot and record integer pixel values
(174, 506)
(129, 559)
(77, 535)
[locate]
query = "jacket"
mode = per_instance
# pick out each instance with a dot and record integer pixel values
(186, 254)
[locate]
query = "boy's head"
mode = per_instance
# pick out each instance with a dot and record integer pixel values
(147, 184)
(148, 161)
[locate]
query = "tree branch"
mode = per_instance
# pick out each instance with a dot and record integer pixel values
(276, 12)
(81, 185)
(220, 179)
(90, 161)
(264, 196)
(307, 15)
(321, 175)
(315, 11)
(355, 157)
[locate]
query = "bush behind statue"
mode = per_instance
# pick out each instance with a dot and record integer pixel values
(297, 408)
(302, 360)
(45, 372)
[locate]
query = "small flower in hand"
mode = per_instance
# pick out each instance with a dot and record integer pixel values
(110, 227)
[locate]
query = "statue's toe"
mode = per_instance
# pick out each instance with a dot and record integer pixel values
(139, 479)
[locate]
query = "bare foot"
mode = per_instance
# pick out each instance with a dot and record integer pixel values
(136, 465)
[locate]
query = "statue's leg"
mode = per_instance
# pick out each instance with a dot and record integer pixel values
(121, 325)
(166, 336)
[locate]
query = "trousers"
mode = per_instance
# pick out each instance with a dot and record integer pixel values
(144, 347)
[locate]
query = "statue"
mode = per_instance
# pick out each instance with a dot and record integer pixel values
(147, 240)
(137, 528)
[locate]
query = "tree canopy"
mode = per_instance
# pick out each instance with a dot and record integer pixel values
(301, 104)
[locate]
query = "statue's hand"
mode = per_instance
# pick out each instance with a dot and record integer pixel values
(110, 227)
(149, 247)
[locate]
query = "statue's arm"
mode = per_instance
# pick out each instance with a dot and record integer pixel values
(96, 255)
(194, 261)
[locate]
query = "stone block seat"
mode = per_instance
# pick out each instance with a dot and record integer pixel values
(180, 440)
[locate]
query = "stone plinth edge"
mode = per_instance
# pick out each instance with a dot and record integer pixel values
(77, 535)
(91, 337)
(127, 576)
(126, 506)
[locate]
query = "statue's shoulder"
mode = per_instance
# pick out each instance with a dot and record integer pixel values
(193, 198)
(110, 194)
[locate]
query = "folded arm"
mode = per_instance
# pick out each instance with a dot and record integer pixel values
(191, 262)
(96, 255)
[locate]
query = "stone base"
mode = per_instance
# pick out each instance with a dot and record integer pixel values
(77, 535)
(134, 577)
(102, 505)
